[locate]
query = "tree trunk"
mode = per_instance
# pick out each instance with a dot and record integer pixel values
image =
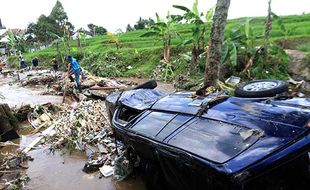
(166, 50)
(267, 31)
(195, 54)
(59, 52)
(268, 22)
(215, 42)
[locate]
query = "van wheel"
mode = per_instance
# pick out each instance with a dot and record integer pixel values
(261, 88)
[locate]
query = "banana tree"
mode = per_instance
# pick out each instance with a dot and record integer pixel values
(114, 38)
(240, 41)
(200, 23)
(12, 41)
(56, 42)
(163, 29)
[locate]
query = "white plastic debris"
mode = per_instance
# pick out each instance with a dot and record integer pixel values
(106, 170)
(233, 80)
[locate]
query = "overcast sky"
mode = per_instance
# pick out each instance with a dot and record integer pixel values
(114, 14)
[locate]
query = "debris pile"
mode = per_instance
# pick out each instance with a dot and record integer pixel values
(84, 126)
(12, 167)
(39, 80)
(11, 161)
(8, 124)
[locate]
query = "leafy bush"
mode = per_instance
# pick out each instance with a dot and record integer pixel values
(304, 47)
(275, 67)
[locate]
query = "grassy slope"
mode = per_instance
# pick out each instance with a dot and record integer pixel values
(143, 54)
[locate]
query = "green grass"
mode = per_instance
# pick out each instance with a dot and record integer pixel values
(304, 47)
(144, 53)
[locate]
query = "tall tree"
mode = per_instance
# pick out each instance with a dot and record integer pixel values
(144, 23)
(58, 14)
(52, 27)
(129, 28)
(96, 30)
(43, 29)
(215, 42)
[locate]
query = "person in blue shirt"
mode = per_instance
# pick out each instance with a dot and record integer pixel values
(74, 68)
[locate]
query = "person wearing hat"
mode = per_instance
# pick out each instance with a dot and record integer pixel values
(74, 69)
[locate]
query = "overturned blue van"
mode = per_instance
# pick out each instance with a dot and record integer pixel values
(215, 141)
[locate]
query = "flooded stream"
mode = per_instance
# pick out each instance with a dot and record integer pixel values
(59, 171)
(16, 95)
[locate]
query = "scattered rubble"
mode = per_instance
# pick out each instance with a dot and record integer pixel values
(12, 170)
(84, 126)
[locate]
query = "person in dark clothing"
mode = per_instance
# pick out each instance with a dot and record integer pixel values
(23, 64)
(35, 62)
(54, 63)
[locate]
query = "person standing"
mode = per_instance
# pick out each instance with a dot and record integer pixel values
(35, 62)
(23, 63)
(54, 63)
(74, 69)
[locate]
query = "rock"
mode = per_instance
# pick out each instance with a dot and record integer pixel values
(297, 68)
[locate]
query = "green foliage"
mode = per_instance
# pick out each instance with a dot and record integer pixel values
(143, 23)
(284, 30)
(195, 18)
(96, 30)
(239, 41)
(304, 47)
(106, 66)
(199, 27)
(306, 62)
(164, 30)
(47, 28)
(143, 54)
(276, 66)
(58, 14)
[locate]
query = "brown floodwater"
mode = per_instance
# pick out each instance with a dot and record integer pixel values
(64, 171)
(54, 171)
(57, 171)
(15, 95)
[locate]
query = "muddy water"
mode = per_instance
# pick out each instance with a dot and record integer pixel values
(55, 171)
(63, 171)
(60, 171)
(16, 95)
